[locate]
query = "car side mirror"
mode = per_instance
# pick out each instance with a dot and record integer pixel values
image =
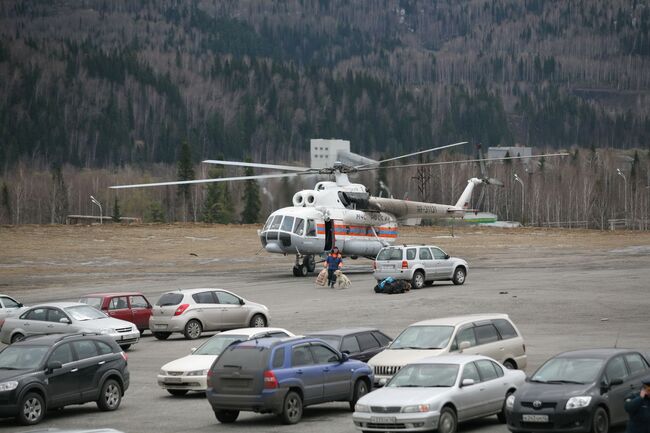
(344, 357)
(64, 320)
(447, 256)
(20, 305)
(615, 382)
(241, 301)
(347, 352)
(467, 382)
(53, 365)
(463, 345)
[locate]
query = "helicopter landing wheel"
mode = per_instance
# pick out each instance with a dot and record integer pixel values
(310, 263)
(300, 271)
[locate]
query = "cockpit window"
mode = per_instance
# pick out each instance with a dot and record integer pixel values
(300, 226)
(287, 223)
(276, 222)
(311, 228)
(268, 223)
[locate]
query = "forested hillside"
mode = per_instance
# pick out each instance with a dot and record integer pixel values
(96, 83)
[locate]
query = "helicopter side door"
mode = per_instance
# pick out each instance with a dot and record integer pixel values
(330, 240)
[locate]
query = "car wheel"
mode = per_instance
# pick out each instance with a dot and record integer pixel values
(110, 396)
(447, 422)
(360, 389)
(177, 392)
(17, 337)
(600, 421)
(510, 364)
(125, 347)
(31, 409)
(291, 408)
(418, 280)
(459, 276)
(193, 329)
(258, 321)
(226, 416)
(162, 335)
(501, 416)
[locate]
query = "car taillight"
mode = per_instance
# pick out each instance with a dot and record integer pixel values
(124, 356)
(2, 322)
(181, 309)
(405, 264)
(209, 380)
(524, 346)
(270, 381)
(374, 265)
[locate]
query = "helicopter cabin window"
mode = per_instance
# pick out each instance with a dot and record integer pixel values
(299, 228)
(311, 228)
(287, 223)
(276, 222)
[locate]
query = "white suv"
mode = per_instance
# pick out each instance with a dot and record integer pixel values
(492, 335)
(421, 264)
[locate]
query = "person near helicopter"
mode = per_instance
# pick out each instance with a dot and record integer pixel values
(333, 263)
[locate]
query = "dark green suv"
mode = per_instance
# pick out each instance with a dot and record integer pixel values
(52, 371)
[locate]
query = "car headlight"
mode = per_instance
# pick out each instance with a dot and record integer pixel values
(162, 373)
(108, 331)
(578, 402)
(8, 386)
(416, 408)
(197, 373)
(361, 408)
(510, 402)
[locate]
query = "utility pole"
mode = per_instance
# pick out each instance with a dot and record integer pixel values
(620, 173)
(522, 197)
(95, 201)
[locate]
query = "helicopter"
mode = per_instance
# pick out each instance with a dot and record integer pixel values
(341, 213)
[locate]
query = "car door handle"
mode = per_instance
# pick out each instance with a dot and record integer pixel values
(74, 370)
(326, 369)
(101, 362)
(481, 389)
(50, 326)
(198, 310)
(299, 372)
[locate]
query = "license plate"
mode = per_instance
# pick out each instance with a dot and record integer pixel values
(160, 326)
(173, 380)
(534, 418)
(382, 419)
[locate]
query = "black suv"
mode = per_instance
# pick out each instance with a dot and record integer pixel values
(51, 371)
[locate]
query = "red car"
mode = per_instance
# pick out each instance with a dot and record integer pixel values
(130, 306)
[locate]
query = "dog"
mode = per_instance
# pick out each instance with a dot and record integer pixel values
(342, 282)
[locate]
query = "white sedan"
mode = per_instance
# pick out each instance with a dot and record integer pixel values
(190, 372)
(436, 393)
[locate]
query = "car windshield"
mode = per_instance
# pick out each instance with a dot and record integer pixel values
(216, 344)
(92, 301)
(390, 254)
(569, 370)
(84, 312)
(22, 357)
(425, 375)
(169, 299)
(423, 337)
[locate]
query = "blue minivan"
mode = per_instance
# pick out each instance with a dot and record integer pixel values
(282, 376)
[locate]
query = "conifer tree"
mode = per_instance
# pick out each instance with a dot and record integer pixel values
(185, 171)
(252, 205)
(116, 211)
(6, 202)
(59, 197)
(226, 205)
(212, 203)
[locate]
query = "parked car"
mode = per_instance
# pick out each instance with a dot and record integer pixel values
(66, 318)
(492, 335)
(578, 391)
(420, 264)
(190, 372)
(130, 306)
(438, 393)
(282, 376)
(8, 307)
(51, 371)
(358, 343)
(192, 311)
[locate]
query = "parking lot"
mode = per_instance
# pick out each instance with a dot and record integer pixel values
(561, 297)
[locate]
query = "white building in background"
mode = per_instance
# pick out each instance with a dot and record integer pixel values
(500, 152)
(324, 153)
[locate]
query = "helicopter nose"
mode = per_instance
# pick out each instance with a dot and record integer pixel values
(273, 247)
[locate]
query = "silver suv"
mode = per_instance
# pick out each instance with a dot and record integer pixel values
(192, 311)
(421, 264)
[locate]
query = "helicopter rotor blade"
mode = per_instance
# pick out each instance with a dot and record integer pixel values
(464, 161)
(256, 165)
(199, 181)
(412, 154)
